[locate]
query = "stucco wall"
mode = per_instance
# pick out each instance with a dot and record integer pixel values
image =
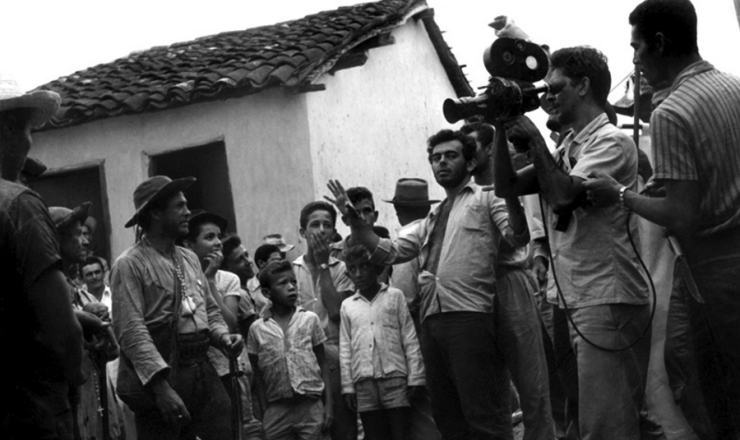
(379, 135)
(266, 138)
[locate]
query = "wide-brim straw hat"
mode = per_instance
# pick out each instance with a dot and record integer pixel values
(64, 217)
(154, 189)
(43, 102)
(412, 192)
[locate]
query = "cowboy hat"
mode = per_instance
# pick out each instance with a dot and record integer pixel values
(279, 241)
(44, 103)
(411, 191)
(64, 217)
(154, 189)
(201, 216)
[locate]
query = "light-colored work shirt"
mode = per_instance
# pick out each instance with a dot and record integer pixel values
(594, 261)
(144, 284)
(309, 293)
(287, 361)
(465, 279)
(378, 341)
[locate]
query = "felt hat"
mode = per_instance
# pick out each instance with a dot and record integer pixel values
(279, 241)
(200, 216)
(43, 102)
(64, 217)
(411, 191)
(154, 189)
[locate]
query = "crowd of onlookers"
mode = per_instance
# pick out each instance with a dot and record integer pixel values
(519, 296)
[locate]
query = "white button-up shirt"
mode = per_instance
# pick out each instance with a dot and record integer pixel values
(377, 340)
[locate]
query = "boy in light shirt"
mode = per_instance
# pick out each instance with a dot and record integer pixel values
(379, 353)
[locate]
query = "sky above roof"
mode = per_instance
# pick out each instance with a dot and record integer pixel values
(44, 40)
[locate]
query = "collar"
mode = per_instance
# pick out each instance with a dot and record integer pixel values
(300, 261)
(358, 295)
(589, 130)
(690, 71)
(267, 312)
(470, 186)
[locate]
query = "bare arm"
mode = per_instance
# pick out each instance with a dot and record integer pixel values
(325, 374)
(330, 296)
(508, 182)
(59, 329)
(677, 211)
(259, 381)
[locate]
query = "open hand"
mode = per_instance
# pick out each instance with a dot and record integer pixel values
(341, 200)
(171, 405)
(328, 418)
(320, 247)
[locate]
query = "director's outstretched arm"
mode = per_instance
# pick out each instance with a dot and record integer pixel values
(383, 251)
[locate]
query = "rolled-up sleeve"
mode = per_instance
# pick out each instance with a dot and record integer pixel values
(128, 321)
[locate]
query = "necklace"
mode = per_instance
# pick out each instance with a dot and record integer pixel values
(188, 304)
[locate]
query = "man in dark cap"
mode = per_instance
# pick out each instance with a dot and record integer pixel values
(165, 319)
(38, 327)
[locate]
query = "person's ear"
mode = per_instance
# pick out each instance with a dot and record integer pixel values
(471, 165)
(375, 216)
(188, 244)
(659, 45)
(265, 292)
(584, 85)
(302, 233)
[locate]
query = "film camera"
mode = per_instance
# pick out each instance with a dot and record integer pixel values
(514, 65)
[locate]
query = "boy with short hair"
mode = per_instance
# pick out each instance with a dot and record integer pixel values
(286, 349)
(362, 199)
(379, 353)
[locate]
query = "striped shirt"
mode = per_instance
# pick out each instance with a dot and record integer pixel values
(696, 136)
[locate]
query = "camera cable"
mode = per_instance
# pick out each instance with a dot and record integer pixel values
(565, 304)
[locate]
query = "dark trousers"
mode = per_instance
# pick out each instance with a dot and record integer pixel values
(465, 374)
(205, 397)
(716, 329)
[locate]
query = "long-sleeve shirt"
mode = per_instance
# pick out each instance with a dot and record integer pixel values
(143, 284)
(465, 278)
(377, 340)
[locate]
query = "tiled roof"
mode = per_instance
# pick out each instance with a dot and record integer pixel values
(231, 64)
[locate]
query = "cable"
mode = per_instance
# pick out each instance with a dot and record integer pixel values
(565, 304)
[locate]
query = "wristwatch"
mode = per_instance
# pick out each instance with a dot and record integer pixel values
(323, 266)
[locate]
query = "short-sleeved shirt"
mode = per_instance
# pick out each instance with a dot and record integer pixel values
(696, 136)
(309, 293)
(594, 261)
(28, 248)
(465, 280)
(287, 361)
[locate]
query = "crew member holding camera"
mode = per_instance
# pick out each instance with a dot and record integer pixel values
(603, 289)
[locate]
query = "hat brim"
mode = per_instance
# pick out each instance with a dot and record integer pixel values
(44, 103)
(78, 214)
(412, 202)
(209, 217)
(172, 187)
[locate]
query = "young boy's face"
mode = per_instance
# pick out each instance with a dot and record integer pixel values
(283, 288)
(207, 240)
(367, 211)
(319, 222)
(363, 274)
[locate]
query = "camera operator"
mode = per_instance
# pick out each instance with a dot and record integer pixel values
(695, 137)
(603, 288)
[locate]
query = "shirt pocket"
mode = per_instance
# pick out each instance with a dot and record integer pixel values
(474, 219)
